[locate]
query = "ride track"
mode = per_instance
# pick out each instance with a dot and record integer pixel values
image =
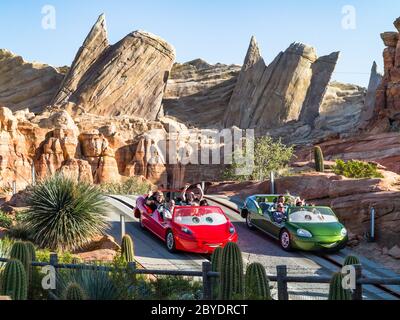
(256, 247)
(333, 259)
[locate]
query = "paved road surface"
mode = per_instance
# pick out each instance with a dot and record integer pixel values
(256, 247)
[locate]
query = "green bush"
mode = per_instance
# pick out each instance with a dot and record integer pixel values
(269, 155)
(133, 185)
(357, 169)
(5, 220)
(64, 215)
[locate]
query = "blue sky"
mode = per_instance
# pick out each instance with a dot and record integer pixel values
(215, 30)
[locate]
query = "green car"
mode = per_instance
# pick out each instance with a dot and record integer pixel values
(306, 228)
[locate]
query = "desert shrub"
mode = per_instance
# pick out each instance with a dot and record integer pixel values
(176, 288)
(269, 155)
(133, 185)
(64, 215)
(357, 169)
(5, 220)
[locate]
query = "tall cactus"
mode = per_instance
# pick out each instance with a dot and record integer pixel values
(216, 261)
(257, 283)
(232, 278)
(127, 249)
(31, 249)
(351, 261)
(21, 252)
(14, 280)
(74, 292)
(336, 290)
(319, 159)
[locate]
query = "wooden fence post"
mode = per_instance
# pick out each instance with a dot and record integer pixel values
(207, 283)
(132, 269)
(53, 263)
(281, 272)
(358, 292)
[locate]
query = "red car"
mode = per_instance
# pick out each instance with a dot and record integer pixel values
(191, 229)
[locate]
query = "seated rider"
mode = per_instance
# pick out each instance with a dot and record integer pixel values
(166, 210)
(190, 198)
(279, 214)
(154, 201)
(300, 202)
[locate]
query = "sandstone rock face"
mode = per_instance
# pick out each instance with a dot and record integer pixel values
(198, 93)
(387, 109)
(383, 149)
(26, 85)
(270, 96)
(127, 78)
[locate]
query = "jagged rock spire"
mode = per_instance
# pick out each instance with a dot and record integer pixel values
(253, 54)
(92, 48)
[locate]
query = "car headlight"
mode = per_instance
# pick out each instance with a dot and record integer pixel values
(186, 230)
(343, 232)
(232, 230)
(304, 233)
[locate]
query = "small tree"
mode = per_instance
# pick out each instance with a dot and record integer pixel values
(269, 155)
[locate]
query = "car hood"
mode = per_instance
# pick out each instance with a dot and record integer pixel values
(211, 233)
(321, 229)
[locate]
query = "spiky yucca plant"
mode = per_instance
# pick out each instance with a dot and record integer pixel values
(65, 215)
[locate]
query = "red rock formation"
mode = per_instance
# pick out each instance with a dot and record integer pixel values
(387, 109)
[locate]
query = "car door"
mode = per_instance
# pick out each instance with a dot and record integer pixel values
(255, 212)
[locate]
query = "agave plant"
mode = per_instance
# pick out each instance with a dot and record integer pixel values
(65, 215)
(97, 284)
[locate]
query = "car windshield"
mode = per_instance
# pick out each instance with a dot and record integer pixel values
(199, 216)
(312, 215)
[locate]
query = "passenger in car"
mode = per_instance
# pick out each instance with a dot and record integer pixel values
(279, 214)
(153, 201)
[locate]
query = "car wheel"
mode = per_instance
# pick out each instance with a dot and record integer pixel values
(170, 241)
(248, 222)
(285, 241)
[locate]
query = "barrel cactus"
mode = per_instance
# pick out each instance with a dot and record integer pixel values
(232, 278)
(336, 290)
(257, 283)
(319, 159)
(21, 252)
(127, 249)
(74, 292)
(216, 261)
(351, 261)
(14, 280)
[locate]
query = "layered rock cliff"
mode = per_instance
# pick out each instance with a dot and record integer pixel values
(26, 85)
(198, 93)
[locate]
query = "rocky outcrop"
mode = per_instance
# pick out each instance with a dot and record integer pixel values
(271, 96)
(93, 47)
(387, 108)
(198, 93)
(367, 113)
(127, 78)
(26, 85)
